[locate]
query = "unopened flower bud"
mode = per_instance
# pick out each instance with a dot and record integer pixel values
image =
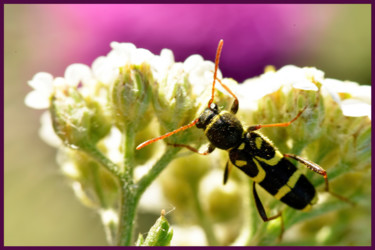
(131, 96)
(78, 122)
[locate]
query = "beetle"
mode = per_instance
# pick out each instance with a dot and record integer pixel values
(254, 154)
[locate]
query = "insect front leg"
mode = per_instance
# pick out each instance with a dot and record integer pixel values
(228, 168)
(318, 169)
(284, 124)
(209, 149)
(263, 214)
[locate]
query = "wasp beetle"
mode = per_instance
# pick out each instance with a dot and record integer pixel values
(254, 154)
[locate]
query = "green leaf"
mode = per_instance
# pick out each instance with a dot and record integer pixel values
(160, 233)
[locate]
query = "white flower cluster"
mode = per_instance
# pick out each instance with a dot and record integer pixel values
(354, 99)
(105, 70)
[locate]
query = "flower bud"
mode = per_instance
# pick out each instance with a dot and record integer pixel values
(78, 122)
(291, 90)
(173, 101)
(131, 96)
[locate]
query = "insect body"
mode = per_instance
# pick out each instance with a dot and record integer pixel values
(257, 157)
(254, 154)
(265, 165)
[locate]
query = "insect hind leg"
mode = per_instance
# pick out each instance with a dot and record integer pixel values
(318, 169)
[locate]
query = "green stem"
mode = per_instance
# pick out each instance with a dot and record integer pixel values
(114, 169)
(128, 203)
(97, 186)
(154, 172)
(128, 207)
(131, 193)
(102, 159)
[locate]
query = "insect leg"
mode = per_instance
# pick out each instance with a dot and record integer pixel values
(263, 214)
(234, 107)
(227, 170)
(317, 169)
(209, 149)
(284, 124)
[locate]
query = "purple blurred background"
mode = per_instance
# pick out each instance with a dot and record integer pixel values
(254, 35)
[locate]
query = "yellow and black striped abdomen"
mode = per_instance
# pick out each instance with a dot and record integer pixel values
(261, 161)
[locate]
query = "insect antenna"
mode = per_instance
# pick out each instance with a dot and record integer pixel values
(143, 144)
(217, 59)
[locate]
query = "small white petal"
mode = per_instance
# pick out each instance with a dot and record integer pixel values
(36, 100)
(70, 169)
(141, 55)
(97, 66)
(202, 74)
(192, 62)
(46, 131)
(355, 108)
(122, 47)
(41, 81)
(340, 86)
(314, 74)
(113, 145)
(161, 64)
(167, 56)
(76, 73)
(300, 78)
(305, 85)
(109, 216)
(331, 91)
(104, 71)
(59, 82)
(121, 54)
(363, 93)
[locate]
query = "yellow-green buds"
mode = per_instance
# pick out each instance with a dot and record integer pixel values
(131, 95)
(173, 100)
(78, 122)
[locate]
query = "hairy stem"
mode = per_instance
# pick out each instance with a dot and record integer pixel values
(128, 201)
(154, 172)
